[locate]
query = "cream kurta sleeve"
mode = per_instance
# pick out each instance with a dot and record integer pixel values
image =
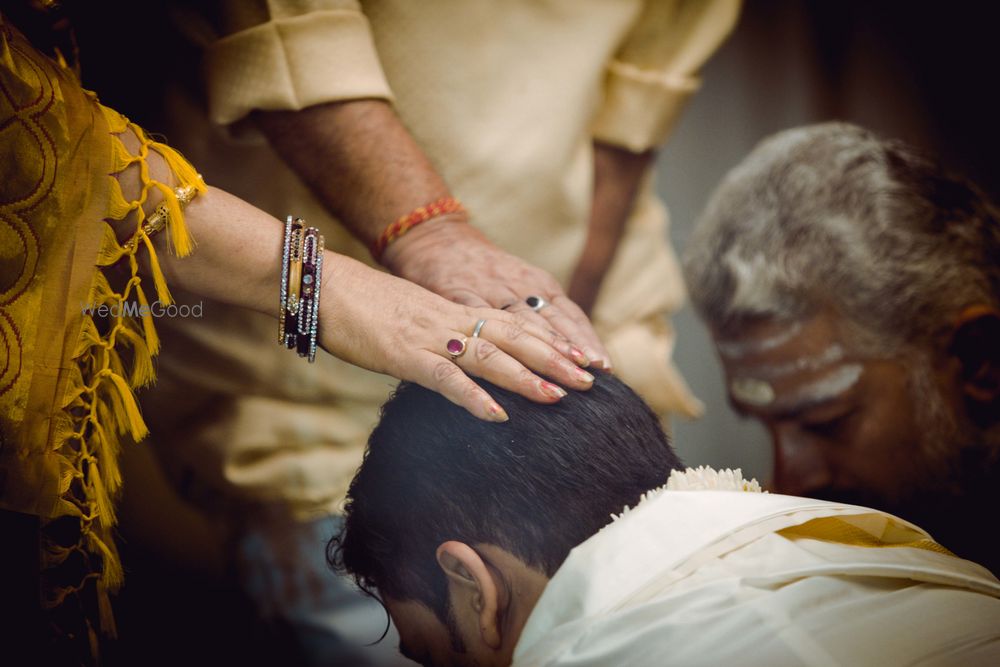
(289, 54)
(656, 69)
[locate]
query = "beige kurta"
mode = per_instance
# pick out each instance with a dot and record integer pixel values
(506, 99)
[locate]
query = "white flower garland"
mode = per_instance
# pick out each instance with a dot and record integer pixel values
(701, 478)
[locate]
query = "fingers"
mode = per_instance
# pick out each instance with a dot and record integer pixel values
(442, 375)
(537, 326)
(508, 356)
(566, 318)
(570, 320)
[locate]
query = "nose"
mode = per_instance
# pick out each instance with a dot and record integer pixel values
(799, 465)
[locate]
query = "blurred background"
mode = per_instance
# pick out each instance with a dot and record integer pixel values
(921, 72)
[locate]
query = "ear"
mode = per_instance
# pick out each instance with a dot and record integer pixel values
(975, 342)
(472, 587)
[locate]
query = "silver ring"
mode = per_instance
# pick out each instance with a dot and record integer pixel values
(479, 327)
(536, 303)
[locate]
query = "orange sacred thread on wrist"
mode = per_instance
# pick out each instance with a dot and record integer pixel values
(411, 220)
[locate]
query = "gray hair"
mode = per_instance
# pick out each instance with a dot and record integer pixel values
(832, 215)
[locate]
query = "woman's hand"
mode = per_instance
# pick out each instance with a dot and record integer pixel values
(389, 325)
(370, 318)
(454, 259)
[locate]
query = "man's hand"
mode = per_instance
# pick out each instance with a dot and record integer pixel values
(453, 259)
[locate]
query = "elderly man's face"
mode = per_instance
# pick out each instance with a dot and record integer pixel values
(843, 426)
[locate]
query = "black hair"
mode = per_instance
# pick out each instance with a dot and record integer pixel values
(536, 485)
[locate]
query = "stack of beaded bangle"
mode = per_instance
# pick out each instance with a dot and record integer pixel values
(411, 220)
(301, 276)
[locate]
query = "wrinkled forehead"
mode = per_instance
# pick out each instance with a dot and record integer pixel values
(785, 365)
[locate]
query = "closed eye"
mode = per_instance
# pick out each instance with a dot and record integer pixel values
(830, 427)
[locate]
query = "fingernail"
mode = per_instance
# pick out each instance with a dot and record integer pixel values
(592, 356)
(584, 375)
(578, 356)
(603, 364)
(549, 389)
(497, 413)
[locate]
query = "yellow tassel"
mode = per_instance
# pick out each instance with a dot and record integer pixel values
(182, 169)
(120, 157)
(66, 476)
(162, 292)
(137, 427)
(62, 428)
(95, 644)
(152, 340)
(106, 615)
(118, 206)
(88, 336)
(117, 123)
(110, 251)
(143, 372)
(105, 447)
(74, 385)
(98, 495)
(115, 364)
(111, 411)
(180, 240)
(101, 292)
(112, 574)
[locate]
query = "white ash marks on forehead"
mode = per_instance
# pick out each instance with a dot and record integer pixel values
(752, 391)
(830, 355)
(735, 349)
(824, 389)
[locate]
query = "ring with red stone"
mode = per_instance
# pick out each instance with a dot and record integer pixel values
(456, 347)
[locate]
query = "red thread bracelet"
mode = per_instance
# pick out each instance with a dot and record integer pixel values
(411, 220)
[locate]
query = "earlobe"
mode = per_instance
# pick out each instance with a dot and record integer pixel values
(975, 342)
(471, 585)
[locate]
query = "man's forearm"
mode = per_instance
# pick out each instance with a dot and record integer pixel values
(618, 175)
(359, 160)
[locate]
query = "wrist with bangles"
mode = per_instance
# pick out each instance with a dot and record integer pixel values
(301, 277)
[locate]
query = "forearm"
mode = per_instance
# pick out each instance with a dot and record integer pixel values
(237, 259)
(618, 175)
(359, 160)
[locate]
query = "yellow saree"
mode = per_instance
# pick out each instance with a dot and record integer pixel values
(66, 376)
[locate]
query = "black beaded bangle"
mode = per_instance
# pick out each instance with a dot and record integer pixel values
(291, 259)
(308, 312)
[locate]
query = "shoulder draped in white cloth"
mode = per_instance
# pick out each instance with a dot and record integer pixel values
(703, 572)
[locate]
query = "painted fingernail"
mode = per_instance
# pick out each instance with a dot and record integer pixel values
(592, 356)
(602, 363)
(497, 413)
(552, 390)
(578, 356)
(584, 376)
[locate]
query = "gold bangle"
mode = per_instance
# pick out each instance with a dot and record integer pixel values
(157, 220)
(295, 269)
